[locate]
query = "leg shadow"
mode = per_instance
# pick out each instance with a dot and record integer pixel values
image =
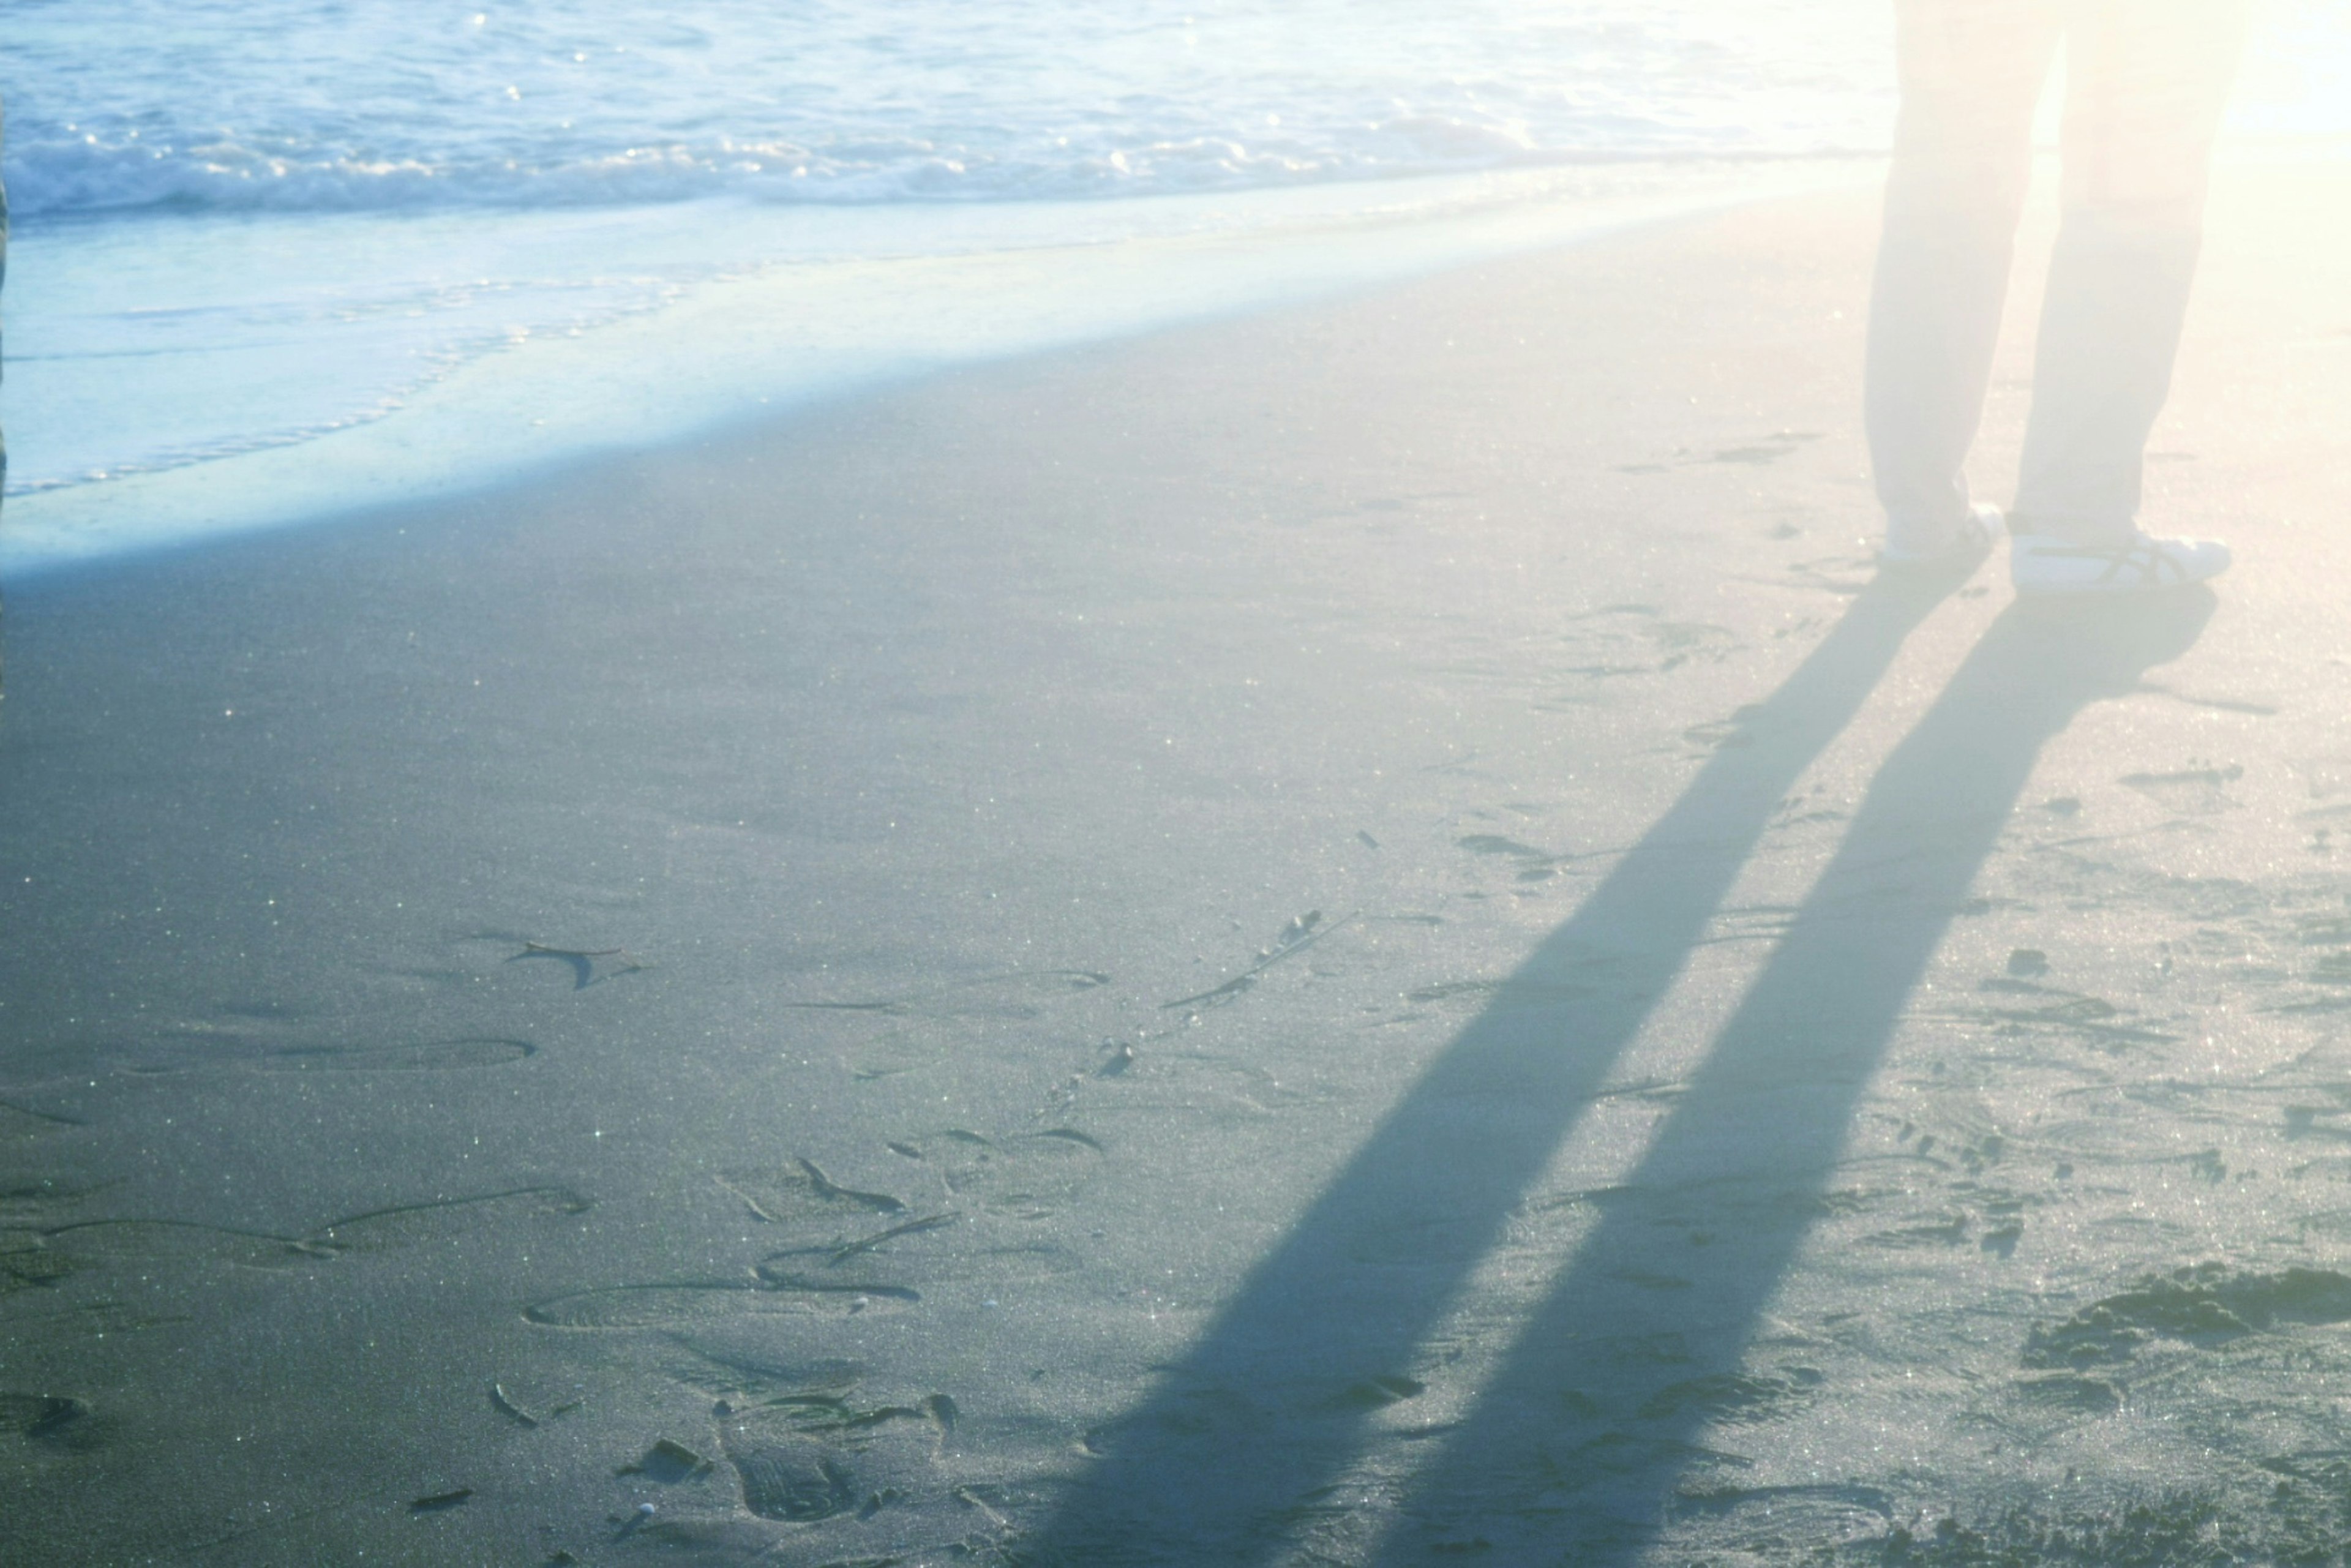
(1212, 1468)
(1579, 1442)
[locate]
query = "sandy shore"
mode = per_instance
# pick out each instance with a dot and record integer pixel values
(1349, 937)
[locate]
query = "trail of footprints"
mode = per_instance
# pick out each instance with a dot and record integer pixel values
(800, 1449)
(827, 1238)
(802, 1441)
(803, 1458)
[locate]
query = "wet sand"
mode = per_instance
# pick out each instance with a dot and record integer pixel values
(1352, 936)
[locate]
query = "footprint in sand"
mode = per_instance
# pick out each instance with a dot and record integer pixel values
(742, 1370)
(589, 965)
(1027, 1176)
(1301, 933)
(810, 1459)
(832, 1254)
(1534, 865)
(43, 1417)
(2205, 1303)
(808, 1207)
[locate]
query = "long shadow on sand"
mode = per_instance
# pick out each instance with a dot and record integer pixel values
(1228, 1461)
(1582, 1436)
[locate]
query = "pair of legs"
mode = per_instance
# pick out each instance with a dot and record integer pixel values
(2146, 84)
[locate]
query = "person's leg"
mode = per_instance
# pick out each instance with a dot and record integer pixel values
(1972, 72)
(2148, 80)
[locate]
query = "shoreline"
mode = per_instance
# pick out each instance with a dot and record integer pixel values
(519, 403)
(840, 304)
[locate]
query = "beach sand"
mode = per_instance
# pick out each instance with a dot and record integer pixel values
(1350, 936)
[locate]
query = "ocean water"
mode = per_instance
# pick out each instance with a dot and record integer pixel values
(279, 259)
